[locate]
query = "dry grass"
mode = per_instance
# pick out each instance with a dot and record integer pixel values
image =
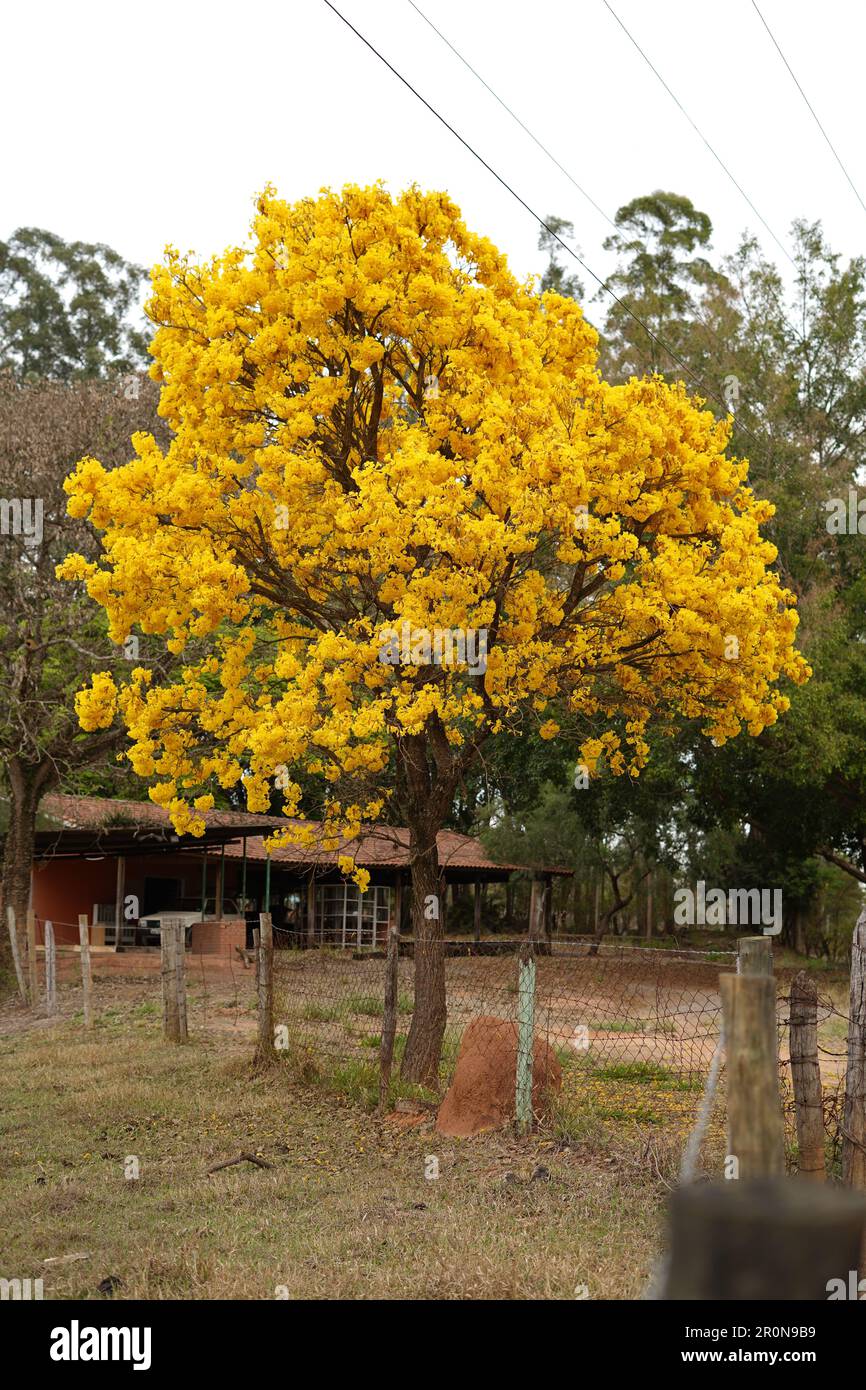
(345, 1211)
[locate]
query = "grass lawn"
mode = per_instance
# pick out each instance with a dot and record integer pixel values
(344, 1211)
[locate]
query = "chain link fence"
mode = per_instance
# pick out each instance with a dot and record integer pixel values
(633, 1030)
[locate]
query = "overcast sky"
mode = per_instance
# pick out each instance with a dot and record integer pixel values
(142, 125)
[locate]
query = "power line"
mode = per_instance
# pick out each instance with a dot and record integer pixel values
(504, 104)
(698, 131)
(833, 150)
(537, 217)
(556, 162)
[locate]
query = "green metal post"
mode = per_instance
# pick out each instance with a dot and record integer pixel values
(525, 1041)
(267, 905)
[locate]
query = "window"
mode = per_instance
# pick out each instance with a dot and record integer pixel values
(346, 918)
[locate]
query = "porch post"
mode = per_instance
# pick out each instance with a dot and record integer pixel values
(477, 911)
(311, 911)
(398, 902)
(221, 886)
(244, 877)
(118, 899)
(204, 884)
(267, 902)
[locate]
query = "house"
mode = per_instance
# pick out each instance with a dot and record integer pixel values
(118, 861)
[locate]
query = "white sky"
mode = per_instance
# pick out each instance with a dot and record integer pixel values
(139, 126)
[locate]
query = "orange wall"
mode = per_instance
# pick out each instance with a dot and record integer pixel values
(65, 888)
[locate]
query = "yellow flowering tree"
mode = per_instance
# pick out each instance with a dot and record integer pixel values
(401, 511)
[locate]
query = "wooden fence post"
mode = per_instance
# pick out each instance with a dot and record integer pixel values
(755, 955)
(389, 1016)
(50, 969)
(180, 980)
(173, 983)
(86, 977)
(756, 1136)
(525, 1040)
(806, 1077)
(775, 1239)
(16, 953)
(170, 1022)
(31, 958)
(854, 1113)
(265, 1048)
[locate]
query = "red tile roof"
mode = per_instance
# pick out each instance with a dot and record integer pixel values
(377, 845)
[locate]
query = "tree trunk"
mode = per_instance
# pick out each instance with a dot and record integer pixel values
(27, 785)
(800, 944)
(424, 1043)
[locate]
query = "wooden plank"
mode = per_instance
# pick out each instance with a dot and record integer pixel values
(806, 1077)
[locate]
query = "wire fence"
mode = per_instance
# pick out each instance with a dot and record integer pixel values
(625, 1033)
(633, 1031)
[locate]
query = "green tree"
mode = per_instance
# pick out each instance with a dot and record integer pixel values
(663, 278)
(68, 310)
(555, 231)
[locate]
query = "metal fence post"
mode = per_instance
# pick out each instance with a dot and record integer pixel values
(265, 985)
(525, 1040)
